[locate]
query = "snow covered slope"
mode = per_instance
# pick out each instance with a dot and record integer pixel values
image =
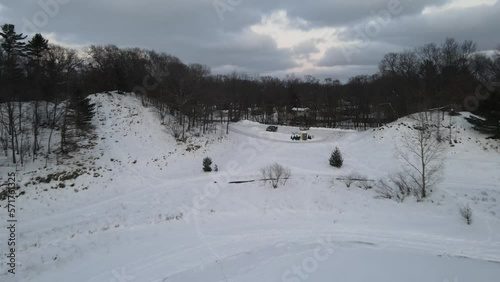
(145, 211)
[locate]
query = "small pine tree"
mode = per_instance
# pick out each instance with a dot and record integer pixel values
(336, 159)
(85, 111)
(207, 164)
(82, 110)
(77, 122)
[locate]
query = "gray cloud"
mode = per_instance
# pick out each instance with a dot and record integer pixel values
(194, 32)
(340, 13)
(479, 24)
(351, 54)
(305, 48)
(252, 52)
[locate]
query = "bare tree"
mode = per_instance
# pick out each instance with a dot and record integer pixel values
(9, 124)
(4, 138)
(421, 155)
(35, 128)
(183, 84)
(55, 116)
(276, 173)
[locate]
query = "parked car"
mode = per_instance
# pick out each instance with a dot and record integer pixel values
(272, 128)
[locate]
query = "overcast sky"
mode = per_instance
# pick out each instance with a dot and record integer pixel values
(324, 38)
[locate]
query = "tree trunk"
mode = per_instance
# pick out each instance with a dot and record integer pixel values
(35, 130)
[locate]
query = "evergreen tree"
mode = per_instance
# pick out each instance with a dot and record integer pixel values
(12, 41)
(336, 159)
(84, 111)
(36, 46)
(77, 121)
(13, 49)
(34, 51)
(207, 164)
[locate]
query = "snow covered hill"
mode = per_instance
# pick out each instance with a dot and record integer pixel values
(143, 209)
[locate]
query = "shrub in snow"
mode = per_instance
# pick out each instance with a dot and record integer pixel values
(466, 213)
(336, 159)
(366, 184)
(207, 164)
(216, 168)
(356, 177)
(396, 187)
(362, 179)
(386, 190)
(175, 129)
(276, 174)
(347, 181)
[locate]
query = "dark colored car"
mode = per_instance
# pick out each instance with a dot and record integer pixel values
(272, 128)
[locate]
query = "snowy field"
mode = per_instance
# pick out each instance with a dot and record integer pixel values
(145, 211)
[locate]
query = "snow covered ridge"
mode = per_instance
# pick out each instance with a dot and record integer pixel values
(142, 209)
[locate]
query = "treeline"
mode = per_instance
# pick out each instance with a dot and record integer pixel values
(433, 76)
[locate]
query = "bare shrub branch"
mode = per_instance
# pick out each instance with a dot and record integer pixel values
(347, 181)
(175, 129)
(352, 177)
(397, 187)
(366, 184)
(466, 213)
(276, 173)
